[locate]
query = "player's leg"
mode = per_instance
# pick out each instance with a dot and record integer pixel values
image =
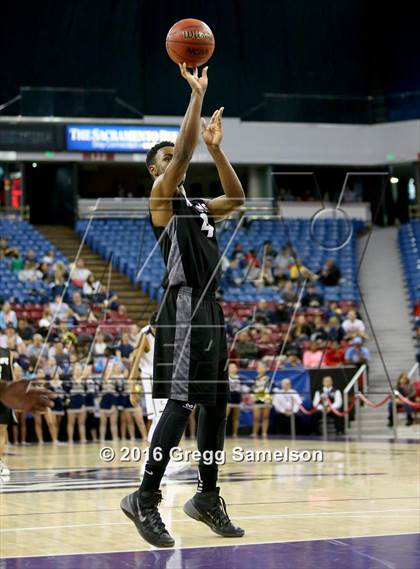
(103, 420)
(138, 418)
(114, 423)
(4, 471)
(207, 505)
(256, 422)
(142, 506)
(50, 420)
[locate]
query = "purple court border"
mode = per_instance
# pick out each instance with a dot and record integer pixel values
(374, 552)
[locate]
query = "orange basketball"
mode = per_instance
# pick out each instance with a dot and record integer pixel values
(190, 41)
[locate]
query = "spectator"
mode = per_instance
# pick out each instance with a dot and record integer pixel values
(288, 292)
(268, 251)
(357, 354)
(6, 250)
(79, 274)
(322, 401)
(353, 326)
(262, 401)
(265, 275)
(10, 339)
(408, 391)
(59, 309)
(333, 329)
(49, 258)
(261, 312)
(311, 297)
(81, 309)
(124, 347)
(318, 331)
(17, 262)
(91, 287)
(282, 262)
(334, 355)
(30, 272)
(330, 274)
(301, 329)
(25, 331)
(100, 345)
(7, 316)
(279, 314)
(232, 276)
(312, 357)
(244, 347)
(292, 360)
(30, 259)
(37, 348)
(286, 402)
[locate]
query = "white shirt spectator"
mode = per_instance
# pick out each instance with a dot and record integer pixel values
(4, 338)
(80, 274)
(320, 398)
(60, 311)
(94, 288)
(286, 401)
(353, 326)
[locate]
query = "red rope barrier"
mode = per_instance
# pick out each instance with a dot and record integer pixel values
(371, 404)
(407, 401)
(340, 413)
(307, 412)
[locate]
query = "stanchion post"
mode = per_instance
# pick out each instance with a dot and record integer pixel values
(346, 416)
(358, 414)
(324, 424)
(394, 416)
(293, 425)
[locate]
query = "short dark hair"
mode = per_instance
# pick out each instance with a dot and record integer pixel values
(150, 157)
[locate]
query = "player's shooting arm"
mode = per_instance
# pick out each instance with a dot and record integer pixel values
(166, 185)
(234, 196)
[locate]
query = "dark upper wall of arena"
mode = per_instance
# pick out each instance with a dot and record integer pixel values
(345, 47)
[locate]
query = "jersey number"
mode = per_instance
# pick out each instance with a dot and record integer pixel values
(206, 225)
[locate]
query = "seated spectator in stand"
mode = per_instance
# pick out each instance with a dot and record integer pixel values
(45, 270)
(7, 316)
(29, 273)
(45, 321)
(61, 355)
(320, 402)
(49, 258)
(25, 331)
(334, 355)
(99, 345)
(124, 347)
(333, 330)
(288, 292)
(292, 360)
(58, 283)
(298, 270)
(408, 391)
(6, 250)
(59, 309)
(301, 330)
(282, 262)
(9, 338)
(312, 357)
(233, 275)
(244, 347)
(37, 348)
(261, 312)
(30, 259)
(16, 262)
(79, 273)
(286, 402)
(357, 354)
(311, 297)
(318, 331)
(268, 251)
(81, 309)
(279, 314)
(353, 326)
(330, 274)
(265, 276)
(238, 254)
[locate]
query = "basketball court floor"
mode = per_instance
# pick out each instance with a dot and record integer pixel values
(358, 508)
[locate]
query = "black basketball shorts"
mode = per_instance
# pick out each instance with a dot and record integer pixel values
(190, 359)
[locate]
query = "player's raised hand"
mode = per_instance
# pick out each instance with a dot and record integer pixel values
(24, 396)
(213, 131)
(198, 84)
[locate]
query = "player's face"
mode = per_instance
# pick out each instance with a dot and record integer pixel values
(162, 160)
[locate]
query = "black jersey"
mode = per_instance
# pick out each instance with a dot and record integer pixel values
(5, 365)
(189, 246)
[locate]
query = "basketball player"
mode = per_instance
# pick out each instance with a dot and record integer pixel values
(143, 362)
(190, 350)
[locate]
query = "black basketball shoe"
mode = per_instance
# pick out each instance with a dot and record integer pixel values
(210, 508)
(142, 509)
